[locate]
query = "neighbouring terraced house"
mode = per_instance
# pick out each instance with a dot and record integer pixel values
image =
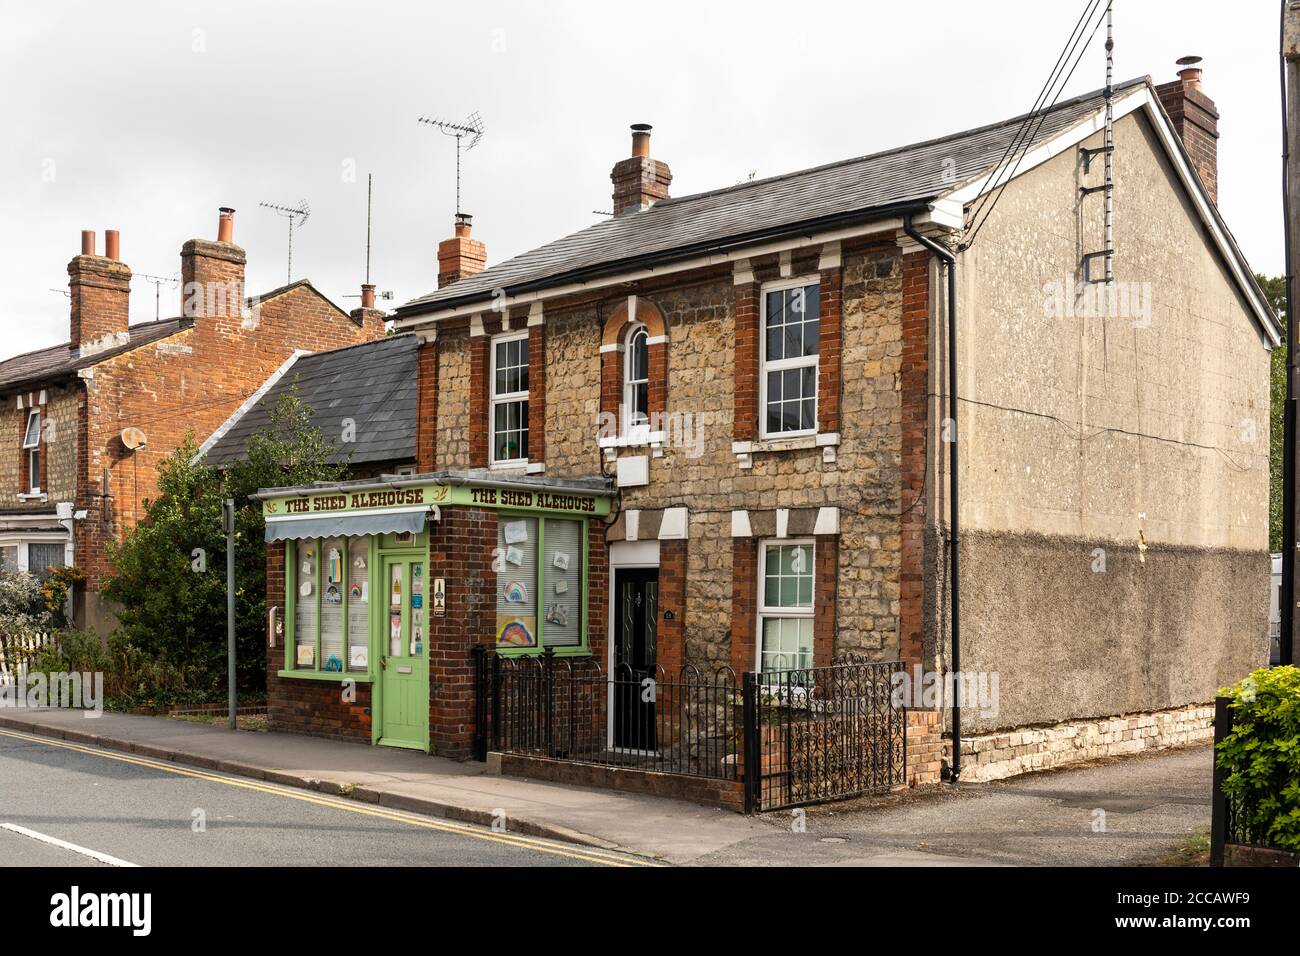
(90, 419)
(732, 408)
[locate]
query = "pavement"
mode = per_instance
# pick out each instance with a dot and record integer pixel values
(1129, 811)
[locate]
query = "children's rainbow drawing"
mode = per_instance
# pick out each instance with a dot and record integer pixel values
(515, 634)
(515, 592)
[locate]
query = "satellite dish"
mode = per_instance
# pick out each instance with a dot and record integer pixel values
(133, 438)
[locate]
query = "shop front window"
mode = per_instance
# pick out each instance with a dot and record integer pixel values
(328, 580)
(540, 577)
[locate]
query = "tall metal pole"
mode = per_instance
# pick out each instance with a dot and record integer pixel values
(228, 523)
(1110, 144)
(1291, 190)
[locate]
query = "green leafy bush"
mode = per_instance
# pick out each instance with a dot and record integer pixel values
(1260, 757)
(71, 651)
(169, 572)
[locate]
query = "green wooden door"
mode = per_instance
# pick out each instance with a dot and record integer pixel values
(404, 655)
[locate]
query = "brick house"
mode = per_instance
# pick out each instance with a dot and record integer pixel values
(735, 403)
(90, 419)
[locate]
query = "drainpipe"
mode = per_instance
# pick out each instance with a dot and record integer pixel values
(949, 260)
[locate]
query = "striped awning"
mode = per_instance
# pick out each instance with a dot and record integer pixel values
(344, 524)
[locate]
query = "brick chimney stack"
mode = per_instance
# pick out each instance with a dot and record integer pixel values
(212, 274)
(100, 291)
(639, 182)
(368, 317)
(460, 256)
(1196, 119)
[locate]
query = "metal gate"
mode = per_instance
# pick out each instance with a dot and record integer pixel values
(824, 733)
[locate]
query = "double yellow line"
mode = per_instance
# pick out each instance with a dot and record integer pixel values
(520, 841)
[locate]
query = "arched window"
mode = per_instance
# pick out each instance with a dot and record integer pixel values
(636, 377)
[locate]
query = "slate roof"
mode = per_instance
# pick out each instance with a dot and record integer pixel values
(863, 188)
(373, 383)
(59, 361)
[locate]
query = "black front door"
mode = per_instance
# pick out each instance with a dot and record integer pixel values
(636, 606)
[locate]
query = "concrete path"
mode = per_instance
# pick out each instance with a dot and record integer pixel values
(1123, 812)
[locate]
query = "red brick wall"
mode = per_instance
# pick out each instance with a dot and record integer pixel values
(312, 707)
(426, 426)
(914, 376)
(672, 597)
(745, 427)
(537, 393)
(461, 547)
(744, 606)
(825, 589)
(828, 376)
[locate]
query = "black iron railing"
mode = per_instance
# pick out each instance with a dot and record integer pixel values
(570, 709)
(811, 735)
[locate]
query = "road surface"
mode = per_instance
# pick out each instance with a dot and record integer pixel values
(65, 804)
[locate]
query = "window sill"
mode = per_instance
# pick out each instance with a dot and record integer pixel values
(637, 438)
(538, 651)
(746, 450)
(519, 465)
(335, 676)
(33, 496)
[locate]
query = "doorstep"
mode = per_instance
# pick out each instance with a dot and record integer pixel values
(657, 827)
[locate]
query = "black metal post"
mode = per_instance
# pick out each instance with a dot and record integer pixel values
(480, 701)
(495, 736)
(548, 699)
(1218, 802)
(751, 744)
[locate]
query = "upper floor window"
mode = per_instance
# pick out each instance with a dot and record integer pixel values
(509, 406)
(636, 377)
(790, 358)
(32, 450)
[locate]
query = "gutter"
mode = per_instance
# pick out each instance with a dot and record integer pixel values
(808, 228)
(949, 260)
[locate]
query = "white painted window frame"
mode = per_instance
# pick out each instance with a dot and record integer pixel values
(778, 365)
(32, 447)
(504, 399)
(634, 429)
(764, 611)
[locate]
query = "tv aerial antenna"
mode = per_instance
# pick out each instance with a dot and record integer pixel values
(297, 216)
(158, 282)
(370, 194)
(467, 132)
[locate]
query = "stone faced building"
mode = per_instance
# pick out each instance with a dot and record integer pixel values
(86, 423)
(754, 383)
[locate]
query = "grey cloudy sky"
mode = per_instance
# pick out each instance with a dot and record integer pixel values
(147, 117)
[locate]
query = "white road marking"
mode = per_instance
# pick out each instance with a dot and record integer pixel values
(55, 841)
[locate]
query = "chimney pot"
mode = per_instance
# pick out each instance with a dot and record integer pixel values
(88, 242)
(464, 222)
(367, 296)
(112, 244)
(226, 225)
(641, 139)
